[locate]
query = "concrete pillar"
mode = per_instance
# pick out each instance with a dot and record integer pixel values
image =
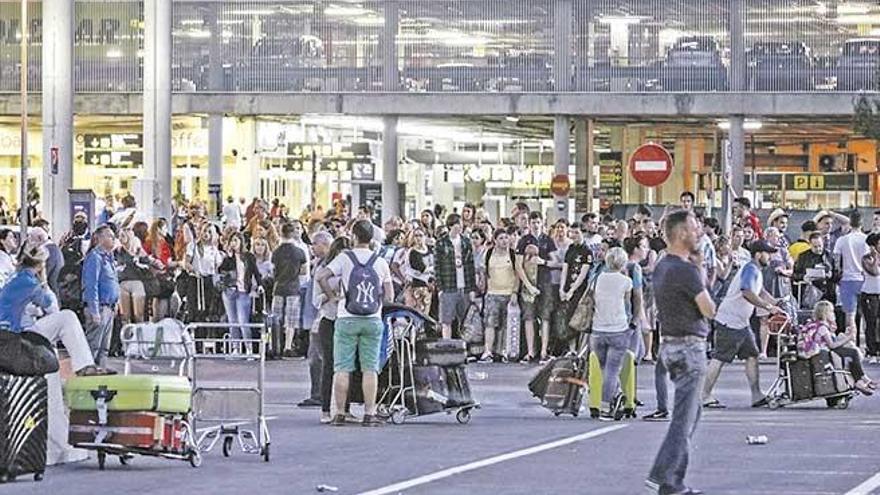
(561, 160)
(155, 197)
(562, 12)
(583, 152)
(390, 188)
(215, 121)
(390, 74)
(57, 114)
(737, 47)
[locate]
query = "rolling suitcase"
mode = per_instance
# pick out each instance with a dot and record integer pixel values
(458, 386)
(145, 430)
(560, 384)
(158, 393)
(823, 371)
(512, 349)
(801, 376)
(625, 406)
(432, 390)
(441, 352)
(24, 426)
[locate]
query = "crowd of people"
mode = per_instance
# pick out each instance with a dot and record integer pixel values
(654, 280)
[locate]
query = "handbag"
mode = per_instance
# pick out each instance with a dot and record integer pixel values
(582, 316)
(26, 354)
(472, 326)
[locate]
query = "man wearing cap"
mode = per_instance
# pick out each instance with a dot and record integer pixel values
(779, 219)
(28, 289)
(733, 333)
(100, 291)
(802, 245)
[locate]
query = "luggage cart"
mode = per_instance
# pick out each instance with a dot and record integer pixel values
(782, 392)
(230, 406)
(149, 349)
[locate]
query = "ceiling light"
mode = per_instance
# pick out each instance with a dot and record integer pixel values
(748, 125)
(512, 118)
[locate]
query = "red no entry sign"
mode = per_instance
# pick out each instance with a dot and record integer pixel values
(650, 165)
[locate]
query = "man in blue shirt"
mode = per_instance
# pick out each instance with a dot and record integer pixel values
(733, 333)
(100, 291)
(28, 287)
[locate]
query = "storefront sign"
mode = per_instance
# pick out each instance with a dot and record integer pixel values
(808, 182)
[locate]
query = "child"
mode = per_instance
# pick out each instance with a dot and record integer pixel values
(818, 335)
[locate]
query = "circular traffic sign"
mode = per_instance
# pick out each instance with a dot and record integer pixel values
(560, 186)
(650, 165)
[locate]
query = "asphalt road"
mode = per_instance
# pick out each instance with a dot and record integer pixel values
(513, 446)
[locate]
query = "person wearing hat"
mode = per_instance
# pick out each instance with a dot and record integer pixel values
(825, 221)
(802, 245)
(28, 287)
(733, 332)
(779, 219)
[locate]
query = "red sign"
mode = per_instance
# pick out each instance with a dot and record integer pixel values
(560, 186)
(650, 165)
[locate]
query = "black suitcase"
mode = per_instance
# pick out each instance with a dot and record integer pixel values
(843, 379)
(441, 352)
(823, 374)
(432, 390)
(24, 426)
(564, 381)
(459, 386)
(801, 375)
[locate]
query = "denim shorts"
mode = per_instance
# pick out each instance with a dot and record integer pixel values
(357, 336)
(453, 306)
(849, 294)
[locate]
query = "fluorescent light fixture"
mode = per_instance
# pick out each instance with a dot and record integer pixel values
(512, 118)
(624, 19)
(748, 125)
(342, 11)
(252, 12)
(114, 53)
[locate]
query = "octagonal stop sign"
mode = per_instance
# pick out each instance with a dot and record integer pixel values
(650, 165)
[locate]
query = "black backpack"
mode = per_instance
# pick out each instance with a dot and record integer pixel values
(70, 276)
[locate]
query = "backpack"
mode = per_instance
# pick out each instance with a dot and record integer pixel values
(491, 250)
(364, 291)
(70, 286)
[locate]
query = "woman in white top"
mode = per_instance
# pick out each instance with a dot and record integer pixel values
(203, 258)
(327, 308)
(8, 245)
(610, 338)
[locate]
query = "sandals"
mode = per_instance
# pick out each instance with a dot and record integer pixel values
(714, 404)
(92, 370)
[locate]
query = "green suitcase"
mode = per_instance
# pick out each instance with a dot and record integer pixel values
(626, 409)
(167, 394)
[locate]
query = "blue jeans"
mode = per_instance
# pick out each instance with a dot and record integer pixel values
(686, 363)
(238, 311)
(660, 387)
(610, 349)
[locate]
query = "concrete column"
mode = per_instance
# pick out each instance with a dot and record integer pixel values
(155, 197)
(390, 188)
(583, 152)
(737, 47)
(562, 44)
(57, 114)
(561, 160)
(215, 121)
(734, 157)
(390, 74)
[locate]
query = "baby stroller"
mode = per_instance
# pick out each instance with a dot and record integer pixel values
(422, 376)
(800, 380)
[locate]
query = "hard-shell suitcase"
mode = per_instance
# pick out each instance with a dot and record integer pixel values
(145, 430)
(458, 386)
(561, 383)
(626, 407)
(801, 379)
(441, 352)
(512, 350)
(24, 426)
(162, 393)
(432, 390)
(826, 366)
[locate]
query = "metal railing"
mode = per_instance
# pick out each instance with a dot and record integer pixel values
(470, 45)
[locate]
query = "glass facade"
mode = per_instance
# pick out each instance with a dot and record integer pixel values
(472, 45)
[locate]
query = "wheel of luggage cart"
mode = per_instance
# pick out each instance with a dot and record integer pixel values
(837, 402)
(194, 458)
(227, 446)
(773, 403)
(398, 416)
(463, 416)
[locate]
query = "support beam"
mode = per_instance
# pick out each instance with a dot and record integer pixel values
(390, 187)
(155, 193)
(215, 120)
(57, 115)
(583, 150)
(561, 161)
(738, 79)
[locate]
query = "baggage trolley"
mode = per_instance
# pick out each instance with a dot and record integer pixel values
(230, 405)
(782, 392)
(162, 348)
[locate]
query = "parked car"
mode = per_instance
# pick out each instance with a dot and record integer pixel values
(858, 65)
(694, 64)
(781, 66)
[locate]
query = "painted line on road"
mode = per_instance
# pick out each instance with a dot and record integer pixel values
(867, 487)
(445, 473)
